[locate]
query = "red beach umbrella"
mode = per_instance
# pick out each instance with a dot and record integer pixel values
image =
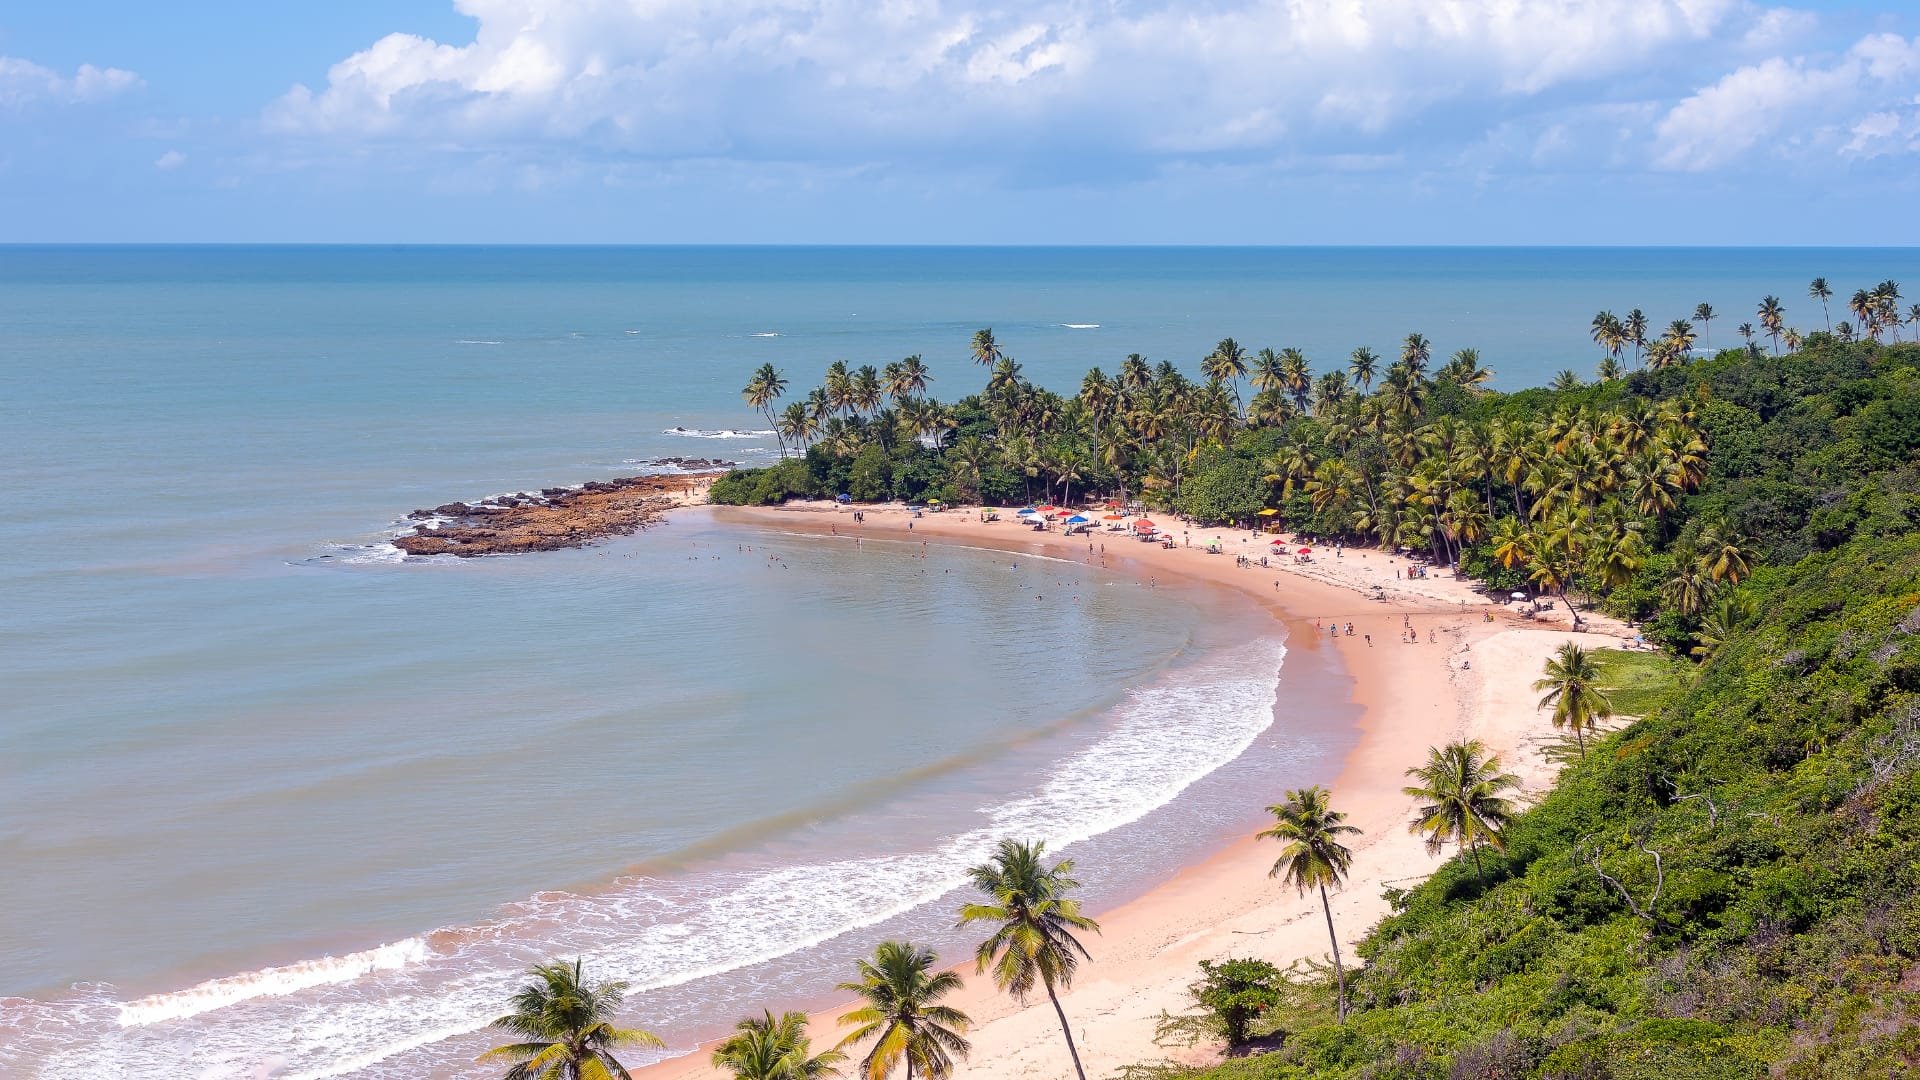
(1144, 525)
(1276, 543)
(1044, 509)
(1114, 517)
(1306, 551)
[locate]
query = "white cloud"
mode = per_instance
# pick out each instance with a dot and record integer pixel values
(23, 82)
(170, 160)
(1793, 105)
(847, 79)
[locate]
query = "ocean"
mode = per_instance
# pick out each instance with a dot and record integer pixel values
(274, 799)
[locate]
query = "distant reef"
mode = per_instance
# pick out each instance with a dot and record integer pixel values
(554, 518)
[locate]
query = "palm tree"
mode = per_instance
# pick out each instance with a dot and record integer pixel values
(1636, 327)
(1731, 610)
(1819, 290)
(1228, 363)
(986, 351)
(1773, 318)
(1704, 315)
(1608, 369)
(901, 1012)
(1566, 380)
(1745, 330)
(1361, 365)
(763, 1048)
(1572, 689)
(1034, 940)
(1415, 351)
(1461, 803)
(761, 391)
(1314, 858)
(566, 1028)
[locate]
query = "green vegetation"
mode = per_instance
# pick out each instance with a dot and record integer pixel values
(1461, 793)
(1033, 940)
(762, 1048)
(1314, 858)
(901, 1013)
(1636, 682)
(565, 1028)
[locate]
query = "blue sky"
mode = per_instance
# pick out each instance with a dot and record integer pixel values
(940, 121)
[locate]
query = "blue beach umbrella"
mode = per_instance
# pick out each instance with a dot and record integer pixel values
(1024, 513)
(1076, 520)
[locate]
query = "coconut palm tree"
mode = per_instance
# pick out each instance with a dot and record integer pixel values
(1314, 858)
(1361, 365)
(1819, 290)
(1461, 800)
(762, 1048)
(900, 991)
(566, 1028)
(1704, 315)
(1033, 940)
(1680, 334)
(762, 390)
(1730, 610)
(1566, 380)
(986, 351)
(1415, 352)
(1227, 363)
(1608, 369)
(1773, 318)
(1636, 327)
(1572, 689)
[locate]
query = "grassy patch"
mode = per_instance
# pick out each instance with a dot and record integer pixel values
(1636, 681)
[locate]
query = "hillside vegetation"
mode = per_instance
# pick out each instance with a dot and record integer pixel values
(1730, 886)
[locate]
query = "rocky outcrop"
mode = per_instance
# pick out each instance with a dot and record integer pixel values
(556, 518)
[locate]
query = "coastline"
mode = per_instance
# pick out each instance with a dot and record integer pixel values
(1472, 680)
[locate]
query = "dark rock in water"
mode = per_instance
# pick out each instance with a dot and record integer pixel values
(419, 514)
(565, 518)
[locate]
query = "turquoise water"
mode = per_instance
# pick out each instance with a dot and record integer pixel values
(241, 737)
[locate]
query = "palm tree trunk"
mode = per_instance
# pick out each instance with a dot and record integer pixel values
(1339, 972)
(1065, 1030)
(1478, 876)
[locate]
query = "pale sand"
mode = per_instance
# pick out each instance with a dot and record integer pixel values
(1475, 682)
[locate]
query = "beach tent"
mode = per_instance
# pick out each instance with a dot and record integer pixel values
(1076, 520)
(1049, 508)
(1144, 525)
(1268, 512)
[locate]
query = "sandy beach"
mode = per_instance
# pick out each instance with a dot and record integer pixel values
(1465, 677)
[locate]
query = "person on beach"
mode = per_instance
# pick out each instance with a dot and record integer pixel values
(1369, 638)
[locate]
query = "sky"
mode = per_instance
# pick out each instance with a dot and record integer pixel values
(1677, 122)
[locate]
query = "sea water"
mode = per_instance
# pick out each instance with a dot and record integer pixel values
(273, 797)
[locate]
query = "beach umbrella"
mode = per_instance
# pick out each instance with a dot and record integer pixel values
(1024, 513)
(1076, 520)
(1276, 543)
(1519, 596)
(1268, 512)
(1144, 525)
(1044, 509)
(1306, 551)
(1114, 517)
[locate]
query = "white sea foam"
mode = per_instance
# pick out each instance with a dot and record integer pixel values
(348, 1015)
(271, 982)
(1081, 325)
(476, 341)
(722, 433)
(768, 333)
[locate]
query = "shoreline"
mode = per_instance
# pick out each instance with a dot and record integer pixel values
(1408, 697)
